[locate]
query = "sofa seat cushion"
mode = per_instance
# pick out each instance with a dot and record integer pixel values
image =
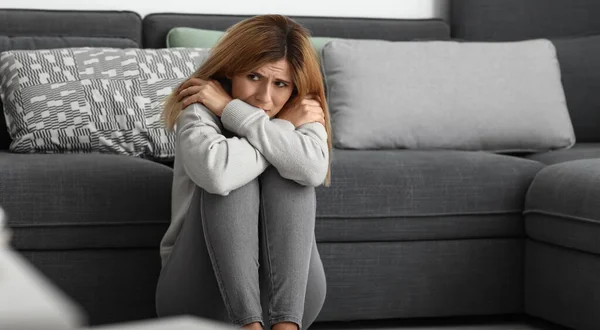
(378, 195)
(70, 201)
(579, 151)
(562, 205)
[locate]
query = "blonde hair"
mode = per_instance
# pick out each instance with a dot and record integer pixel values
(253, 43)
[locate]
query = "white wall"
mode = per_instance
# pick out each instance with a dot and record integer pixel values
(335, 8)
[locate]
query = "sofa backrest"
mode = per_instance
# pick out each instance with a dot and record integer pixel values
(156, 26)
(507, 20)
(572, 26)
(42, 29)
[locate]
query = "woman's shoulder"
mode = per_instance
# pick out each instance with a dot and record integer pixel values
(197, 114)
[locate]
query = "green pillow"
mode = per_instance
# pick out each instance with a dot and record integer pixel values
(201, 38)
(192, 38)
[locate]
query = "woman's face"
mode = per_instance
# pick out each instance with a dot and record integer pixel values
(268, 87)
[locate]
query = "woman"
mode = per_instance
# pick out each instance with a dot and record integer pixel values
(252, 142)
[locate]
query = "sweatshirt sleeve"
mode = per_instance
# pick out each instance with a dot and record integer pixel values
(298, 154)
(214, 162)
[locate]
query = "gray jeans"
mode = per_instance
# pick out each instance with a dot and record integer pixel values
(247, 257)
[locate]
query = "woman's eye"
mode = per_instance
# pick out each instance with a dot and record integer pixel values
(253, 77)
(281, 84)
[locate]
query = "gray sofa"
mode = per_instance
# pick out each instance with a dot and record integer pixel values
(402, 233)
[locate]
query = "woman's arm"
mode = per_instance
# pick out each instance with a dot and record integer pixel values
(214, 162)
(299, 154)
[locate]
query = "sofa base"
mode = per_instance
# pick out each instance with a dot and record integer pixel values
(370, 280)
(562, 285)
(111, 285)
(384, 280)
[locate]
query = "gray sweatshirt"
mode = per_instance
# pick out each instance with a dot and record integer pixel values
(206, 157)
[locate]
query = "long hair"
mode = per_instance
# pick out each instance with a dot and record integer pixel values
(254, 42)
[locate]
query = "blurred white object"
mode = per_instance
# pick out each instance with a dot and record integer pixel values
(27, 299)
(170, 323)
(4, 232)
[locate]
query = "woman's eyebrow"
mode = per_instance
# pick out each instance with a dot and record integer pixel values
(282, 80)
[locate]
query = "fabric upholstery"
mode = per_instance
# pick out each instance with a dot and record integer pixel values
(365, 280)
(579, 59)
(395, 195)
(562, 285)
(45, 29)
(579, 151)
(111, 285)
(203, 38)
(505, 20)
(399, 183)
(156, 27)
(574, 29)
(414, 194)
(41, 42)
(562, 205)
(73, 23)
(377, 280)
(416, 228)
(446, 95)
(84, 200)
(105, 100)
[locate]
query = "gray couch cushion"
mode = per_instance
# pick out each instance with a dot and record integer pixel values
(562, 205)
(411, 194)
(518, 19)
(158, 25)
(102, 100)
(43, 29)
(84, 201)
(579, 151)
(573, 27)
(446, 95)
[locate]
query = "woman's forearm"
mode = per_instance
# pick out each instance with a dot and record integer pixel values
(214, 162)
(299, 154)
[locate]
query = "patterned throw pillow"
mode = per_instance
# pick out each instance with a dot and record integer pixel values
(92, 99)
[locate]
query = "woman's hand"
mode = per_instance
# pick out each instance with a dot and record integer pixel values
(307, 110)
(208, 92)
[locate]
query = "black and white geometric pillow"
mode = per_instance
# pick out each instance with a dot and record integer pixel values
(92, 99)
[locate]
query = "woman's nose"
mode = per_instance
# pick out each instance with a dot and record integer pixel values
(263, 94)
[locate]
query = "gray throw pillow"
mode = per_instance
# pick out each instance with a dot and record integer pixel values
(499, 97)
(92, 99)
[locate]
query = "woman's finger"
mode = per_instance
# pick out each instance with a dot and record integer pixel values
(315, 108)
(191, 82)
(188, 91)
(311, 102)
(190, 99)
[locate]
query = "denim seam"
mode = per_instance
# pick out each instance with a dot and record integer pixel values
(249, 320)
(267, 251)
(286, 318)
(213, 259)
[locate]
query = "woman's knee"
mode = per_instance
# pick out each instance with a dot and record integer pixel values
(272, 181)
(248, 192)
